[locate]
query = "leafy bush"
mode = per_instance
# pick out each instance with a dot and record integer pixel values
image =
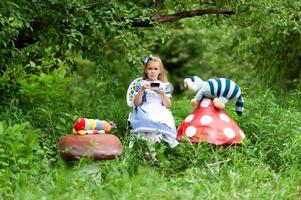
(21, 156)
(56, 60)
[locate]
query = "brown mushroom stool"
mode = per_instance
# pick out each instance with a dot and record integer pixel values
(209, 124)
(96, 146)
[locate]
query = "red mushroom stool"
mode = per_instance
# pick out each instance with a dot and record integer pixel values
(209, 124)
(96, 146)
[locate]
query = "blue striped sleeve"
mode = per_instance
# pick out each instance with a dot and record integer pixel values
(138, 87)
(227, 88)
(235, 91)
(219, 87)
(211, 87)
(168, 89)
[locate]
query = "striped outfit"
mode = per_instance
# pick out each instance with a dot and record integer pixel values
(224, 89)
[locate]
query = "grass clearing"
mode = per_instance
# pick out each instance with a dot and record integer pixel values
(266, 166)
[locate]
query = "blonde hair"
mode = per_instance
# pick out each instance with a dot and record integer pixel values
(162, 76)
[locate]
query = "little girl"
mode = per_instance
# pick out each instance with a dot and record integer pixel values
(151, 117)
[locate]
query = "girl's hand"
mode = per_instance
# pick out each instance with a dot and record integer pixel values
(165, 98)
(145, 86)
(160, 91)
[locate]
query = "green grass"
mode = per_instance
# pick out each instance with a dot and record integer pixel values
(266, 166)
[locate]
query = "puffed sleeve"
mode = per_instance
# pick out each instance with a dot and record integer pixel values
(138, 86)
(168, 90)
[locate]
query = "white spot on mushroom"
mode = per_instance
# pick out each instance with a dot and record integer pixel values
(205, 103)
(229, 132)
(206, 119)
(242, 134)
(190, 131)
(189, 118)
(224, 117)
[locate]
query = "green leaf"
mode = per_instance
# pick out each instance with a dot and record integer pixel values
(32, 64)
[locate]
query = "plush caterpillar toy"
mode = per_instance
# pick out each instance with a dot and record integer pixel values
(220, 89)
(84, 126)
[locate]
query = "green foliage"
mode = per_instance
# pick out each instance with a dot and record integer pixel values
(273, 124)
(60, 60)
(259, 43)
(21, 156)
(278, 30)
(44, 87)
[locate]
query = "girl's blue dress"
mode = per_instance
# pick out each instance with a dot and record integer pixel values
(151, 118)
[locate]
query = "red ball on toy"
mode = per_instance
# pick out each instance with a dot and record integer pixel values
(80, 124)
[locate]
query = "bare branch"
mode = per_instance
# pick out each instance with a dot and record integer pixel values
(193, 13)
(178, 16)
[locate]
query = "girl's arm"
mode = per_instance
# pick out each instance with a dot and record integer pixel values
(138, 97)
(166, 99)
